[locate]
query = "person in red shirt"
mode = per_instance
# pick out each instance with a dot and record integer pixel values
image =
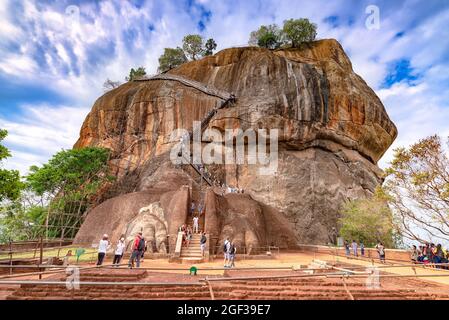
(137, 249)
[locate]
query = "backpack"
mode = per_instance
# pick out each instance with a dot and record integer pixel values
(232, 249)
(141, 245)
(225, 247)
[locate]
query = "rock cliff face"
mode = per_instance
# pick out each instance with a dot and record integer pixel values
(332, 131)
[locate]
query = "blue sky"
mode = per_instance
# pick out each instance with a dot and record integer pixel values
(55, 56)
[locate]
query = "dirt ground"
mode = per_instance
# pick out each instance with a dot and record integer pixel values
(436, 279)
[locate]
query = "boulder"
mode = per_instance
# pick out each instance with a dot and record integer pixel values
(332, 131)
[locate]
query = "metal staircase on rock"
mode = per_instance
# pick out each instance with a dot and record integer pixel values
(228, 98)
(192, 253)
(190, 83)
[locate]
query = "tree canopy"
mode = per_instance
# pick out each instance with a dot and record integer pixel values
(136, 73)
(298, 31)
(210, 46)
(69, 169)
(70, 179)
(193, 46)
(293, 32)
(10, 183)
(368, 220)
(171, 58)
(417, 184)
(110, 85)
(269, 37)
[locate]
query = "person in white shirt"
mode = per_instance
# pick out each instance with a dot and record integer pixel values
(195, 224)
(119, 250)
(102, 248)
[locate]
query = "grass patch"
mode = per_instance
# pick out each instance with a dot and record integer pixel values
(89, 255)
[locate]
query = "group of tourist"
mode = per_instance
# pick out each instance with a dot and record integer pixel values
(430, 253)
(354, 247)
(196, 209)
(139, 246)
(229, 189)
(188, 231)
(187, 234)
(225, 189)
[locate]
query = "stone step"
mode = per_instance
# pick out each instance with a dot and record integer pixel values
(191, 249)
(188, 291)
(195, 292)
(193, 256)
(191, 260)
(191, 253)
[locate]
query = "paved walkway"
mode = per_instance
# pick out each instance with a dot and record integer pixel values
(295, 260)
(286, 260)
(420, 269)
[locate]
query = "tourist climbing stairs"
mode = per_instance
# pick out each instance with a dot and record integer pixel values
(228, 98)
(204, 124)
(192, 252)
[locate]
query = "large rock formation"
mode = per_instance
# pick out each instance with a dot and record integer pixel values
(332, 131)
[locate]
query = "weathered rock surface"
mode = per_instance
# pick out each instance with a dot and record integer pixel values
(332, 131)
(152, 223)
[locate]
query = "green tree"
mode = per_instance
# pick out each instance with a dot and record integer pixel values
(171, 58)
(10, 184)
(20, 222)
(298, 31)
(270, 37)
(368, 220)
(4, 152)
(417, 184)
(210, 46)
(193, 46)
(70, 180)
(136, 73)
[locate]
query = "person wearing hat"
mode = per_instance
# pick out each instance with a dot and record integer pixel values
(102, 248)
(119, 250)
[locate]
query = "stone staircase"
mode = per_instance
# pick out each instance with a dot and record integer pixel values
(192, 253)
(6, 290)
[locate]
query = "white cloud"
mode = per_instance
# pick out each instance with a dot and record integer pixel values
(80, 54)
(41, 132)
(417, 110)
(7, 29)
(17, 64)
